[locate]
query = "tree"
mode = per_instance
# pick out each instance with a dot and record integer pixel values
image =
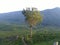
(32, 17)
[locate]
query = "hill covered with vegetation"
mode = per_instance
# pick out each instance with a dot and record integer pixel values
(13, 28)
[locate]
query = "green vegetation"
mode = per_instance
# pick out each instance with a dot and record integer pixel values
(41, 36)
(14, 31)
(32, 16)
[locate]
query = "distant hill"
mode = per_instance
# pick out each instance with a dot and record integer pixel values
(50, 17)
(12, 17)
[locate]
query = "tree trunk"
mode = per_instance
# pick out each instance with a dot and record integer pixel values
(23, 40)
(30, 32)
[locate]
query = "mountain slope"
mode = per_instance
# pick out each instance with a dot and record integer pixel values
(12, 17)
(50, 17)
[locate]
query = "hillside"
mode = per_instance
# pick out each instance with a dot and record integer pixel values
(12, 17)
(50, 17)
(13, 34)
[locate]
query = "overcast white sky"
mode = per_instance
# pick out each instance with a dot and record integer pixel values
(15, 5)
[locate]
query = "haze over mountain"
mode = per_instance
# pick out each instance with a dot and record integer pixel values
(12, 17)
(50, 17)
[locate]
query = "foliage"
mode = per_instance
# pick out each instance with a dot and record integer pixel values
(41, 35)
(32, 16)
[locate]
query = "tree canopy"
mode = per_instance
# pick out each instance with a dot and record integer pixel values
(32, 16)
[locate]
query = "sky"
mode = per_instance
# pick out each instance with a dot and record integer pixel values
(16, 5)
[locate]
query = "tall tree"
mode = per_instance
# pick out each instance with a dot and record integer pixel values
(32, 17)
